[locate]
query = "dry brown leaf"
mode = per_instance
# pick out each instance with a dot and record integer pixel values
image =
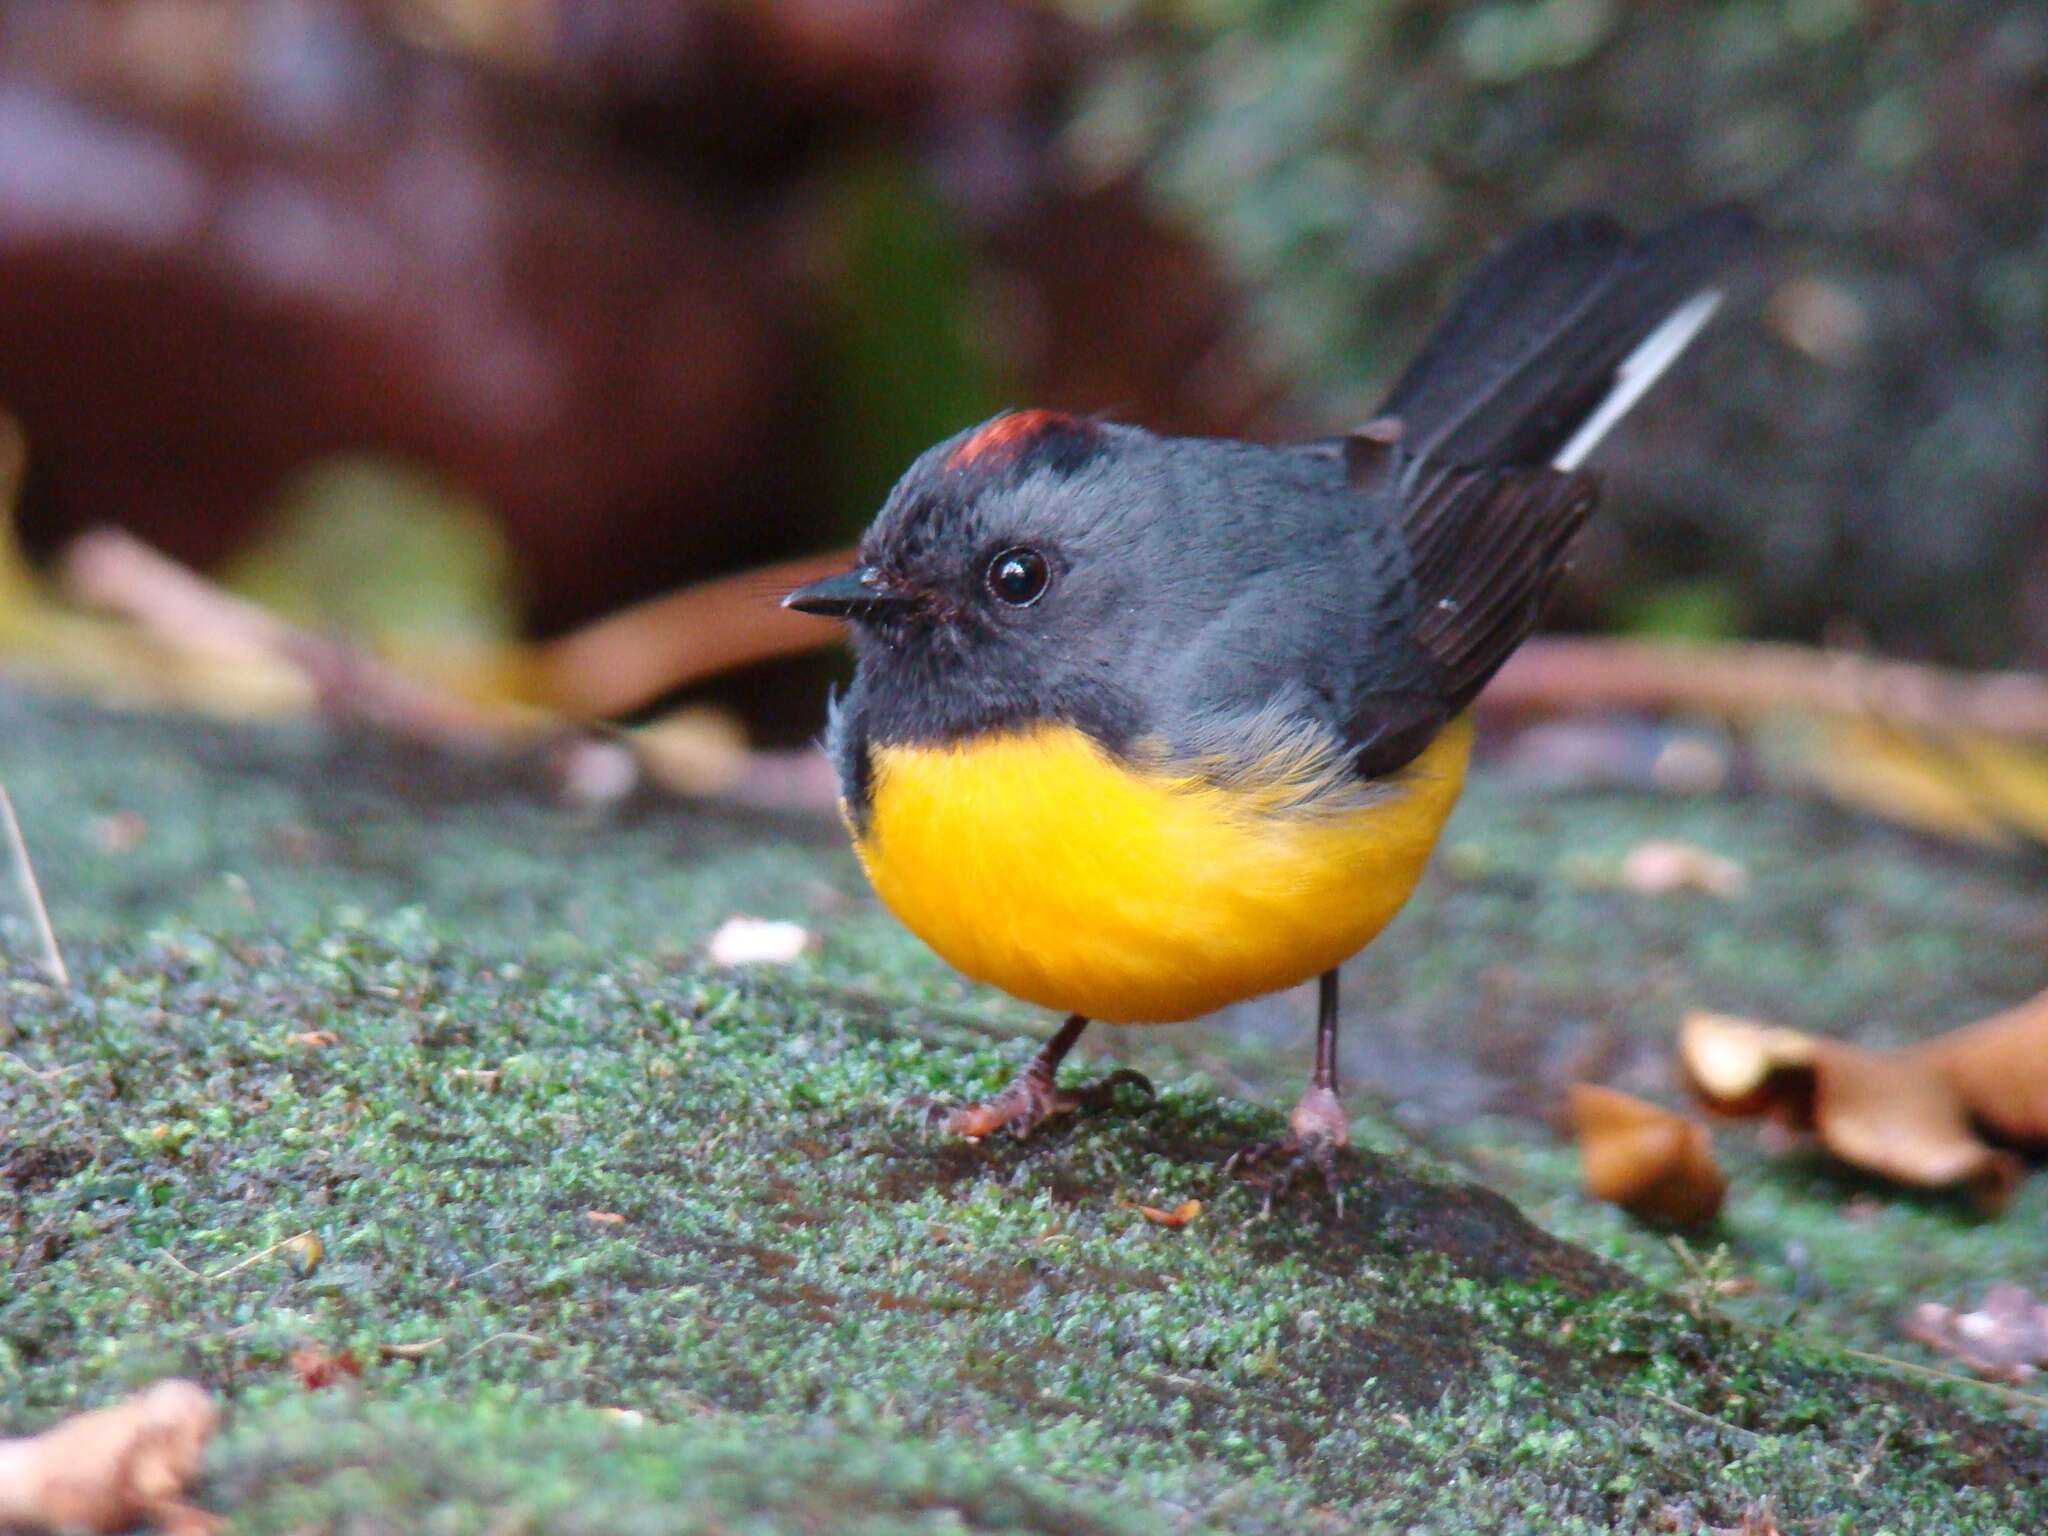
(1179, 1216)
(417, 1349)
(303, 1252)
(314, 1039)
(1665, 868)
(1910, 1116)
(317, 1368)
(1644, 1158)
(1757, 1520)
(1999, 1066)
(2005, 1338)
(118, 1467)
(605, 1218)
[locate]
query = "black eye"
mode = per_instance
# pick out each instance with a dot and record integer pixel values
(1019, 576)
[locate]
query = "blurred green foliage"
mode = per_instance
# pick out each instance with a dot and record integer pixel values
(439, 578)
(906, 366)
(1868, 436)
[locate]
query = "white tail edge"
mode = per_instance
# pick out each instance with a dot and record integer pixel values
(1638, 371)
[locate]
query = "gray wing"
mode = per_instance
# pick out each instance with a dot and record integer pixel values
(1373, 601)
(1474, 457)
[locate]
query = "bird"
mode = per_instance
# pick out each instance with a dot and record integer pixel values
(1143, 725)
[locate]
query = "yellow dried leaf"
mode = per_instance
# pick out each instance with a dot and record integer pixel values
(1906, 778)
(303, 1252)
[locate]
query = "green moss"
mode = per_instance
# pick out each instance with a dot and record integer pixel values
(826, 1318)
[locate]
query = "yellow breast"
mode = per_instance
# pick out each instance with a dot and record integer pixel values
(1035, 862)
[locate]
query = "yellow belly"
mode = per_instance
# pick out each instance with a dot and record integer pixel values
(1034, 862)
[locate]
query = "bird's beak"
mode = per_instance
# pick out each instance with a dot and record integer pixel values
(856, 594)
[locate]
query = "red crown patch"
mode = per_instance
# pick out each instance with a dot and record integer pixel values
(1006, 437)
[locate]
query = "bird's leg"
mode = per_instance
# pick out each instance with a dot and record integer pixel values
(1318, 1128)
(1034, 1095)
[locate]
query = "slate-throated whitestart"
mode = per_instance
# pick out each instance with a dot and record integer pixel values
(1145, 725)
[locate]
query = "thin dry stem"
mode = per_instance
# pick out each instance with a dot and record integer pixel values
(32, 894)
(113, 570)
(1740, 682)
(1913, 1368)
(622, 662)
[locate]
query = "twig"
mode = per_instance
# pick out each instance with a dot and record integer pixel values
(1932, 1373)
(510, 1335)
(625, 661)
(1556, 674)
(633, 657)
(1824, 1343)
(1876, 1455)
(32, 894)
(46, 1077)
(242, 1264)
(1705, 1418)
(112, 570)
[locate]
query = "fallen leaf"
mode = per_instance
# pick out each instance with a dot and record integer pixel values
(1999, 1066)
(1757, 1520)
(1969, 786)
(316, 1368)
(1665, 868)
(417, 1349)
(1179, 1216)
(693, 751)
(605, 1218)
(1911, 1116)
(118, 1467)
(1651, 1162)
(2005, 1338)
(480, 1077)
(753, 941)
(314, 1039)
(303, 1252)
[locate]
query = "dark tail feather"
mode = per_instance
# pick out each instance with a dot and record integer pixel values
(1532, 347)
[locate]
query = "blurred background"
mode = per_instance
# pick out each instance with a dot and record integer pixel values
(455, 325)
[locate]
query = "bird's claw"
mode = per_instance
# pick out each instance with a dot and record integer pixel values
(1318, 1130)
(1293, 1153)
(1025, 1104)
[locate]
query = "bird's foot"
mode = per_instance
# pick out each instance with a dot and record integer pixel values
(1031, 1099)
(1317, 1131)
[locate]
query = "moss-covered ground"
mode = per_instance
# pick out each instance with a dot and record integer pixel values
(622, 1243)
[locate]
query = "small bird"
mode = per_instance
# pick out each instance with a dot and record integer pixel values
(1142, 725)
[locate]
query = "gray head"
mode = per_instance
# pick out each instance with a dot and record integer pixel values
(1005, 580)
